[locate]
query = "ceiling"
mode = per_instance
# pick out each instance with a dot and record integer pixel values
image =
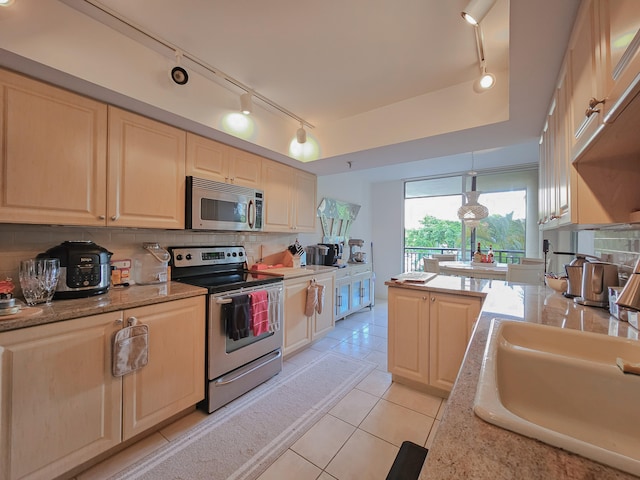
(333, 63)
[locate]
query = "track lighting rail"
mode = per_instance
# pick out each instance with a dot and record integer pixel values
(162, 46)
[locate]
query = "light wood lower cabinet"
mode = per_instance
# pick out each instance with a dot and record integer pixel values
(173, 380)
(60, 405)
(428, 336)
(300, 330)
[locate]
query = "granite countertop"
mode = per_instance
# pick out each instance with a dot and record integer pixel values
(117, 298)
(466, 446)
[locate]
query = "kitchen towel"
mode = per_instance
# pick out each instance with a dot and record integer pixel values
(259, 312)
(312, 299)
(130, 349)
(275, 311)
(237, 317)
(320, 297)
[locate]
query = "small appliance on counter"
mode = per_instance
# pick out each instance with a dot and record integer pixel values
(85, 269)
(629, 297)
(333, 255)
(574, 273)
(597, 277)
(316, 254)
(355, 254)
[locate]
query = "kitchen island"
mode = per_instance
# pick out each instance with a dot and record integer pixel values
(466, 446)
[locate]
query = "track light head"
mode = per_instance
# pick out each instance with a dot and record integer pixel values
(246, 103)
(301, 134)
(476, 10)
(484, 82)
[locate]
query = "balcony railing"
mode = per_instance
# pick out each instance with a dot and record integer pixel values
(413, 256)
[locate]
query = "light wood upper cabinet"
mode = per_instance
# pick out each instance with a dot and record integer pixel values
(588, 159)
(146, 172)
(216, 161)
(290, 198)
(583, 57)
(173, 380)
(53, 156)
(59, 403)
(619, 52)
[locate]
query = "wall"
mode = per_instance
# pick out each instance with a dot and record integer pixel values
(19, 242)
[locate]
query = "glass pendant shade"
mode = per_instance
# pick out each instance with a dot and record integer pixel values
(472, 212)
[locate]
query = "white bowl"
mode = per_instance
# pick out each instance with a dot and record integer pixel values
(558, 284)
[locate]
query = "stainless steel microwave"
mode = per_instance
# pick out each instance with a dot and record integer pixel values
(220, 206)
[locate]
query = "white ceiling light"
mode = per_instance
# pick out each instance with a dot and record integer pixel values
(301, 134)
(246, 103)
(476, 10)
(6, 3)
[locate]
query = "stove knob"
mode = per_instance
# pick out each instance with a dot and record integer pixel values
(179, 256)
(188, 256)
(234, 254)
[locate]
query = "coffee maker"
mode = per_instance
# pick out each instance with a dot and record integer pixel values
(333, 255)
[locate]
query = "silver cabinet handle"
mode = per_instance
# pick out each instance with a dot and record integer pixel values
(118, 322)
(101, 217)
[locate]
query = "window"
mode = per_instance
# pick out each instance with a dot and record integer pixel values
(432, 225)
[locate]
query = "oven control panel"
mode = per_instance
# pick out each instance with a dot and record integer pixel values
(203, 256)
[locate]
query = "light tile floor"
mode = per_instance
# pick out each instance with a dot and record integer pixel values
(360, 436)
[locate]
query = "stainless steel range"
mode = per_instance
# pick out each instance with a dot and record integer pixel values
(244, 319)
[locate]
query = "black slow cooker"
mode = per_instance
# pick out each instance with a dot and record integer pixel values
(85, 269)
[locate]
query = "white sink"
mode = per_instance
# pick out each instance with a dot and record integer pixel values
(563, 387)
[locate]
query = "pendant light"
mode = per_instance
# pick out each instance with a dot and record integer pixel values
(471, 212)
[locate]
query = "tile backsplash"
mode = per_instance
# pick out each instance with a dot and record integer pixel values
(19, 242)
(621, 247)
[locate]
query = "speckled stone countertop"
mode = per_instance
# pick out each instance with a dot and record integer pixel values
(119, 298)
(466, 447)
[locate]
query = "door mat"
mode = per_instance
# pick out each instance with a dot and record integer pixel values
(408, 462)
(242, 439)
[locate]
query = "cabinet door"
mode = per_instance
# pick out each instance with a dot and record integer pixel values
(207, 158)
(245, 168)
(356, 294)
(304, 202)
(174, 378)
(323, 322)
(343, 296)
(620, 44)
(59, 403)
(451, 320)
(583, 61)
(408, 340)
(278, 181)
(146, 186)
(53, 142)
(365, 293)
(297, 326)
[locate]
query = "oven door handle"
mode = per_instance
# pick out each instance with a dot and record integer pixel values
(223, 300)
(236, 376)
